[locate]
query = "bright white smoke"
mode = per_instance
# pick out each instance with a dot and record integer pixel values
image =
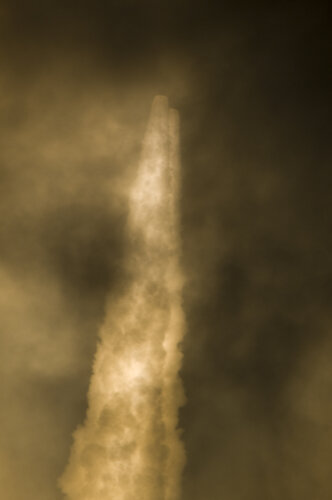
(129, 446)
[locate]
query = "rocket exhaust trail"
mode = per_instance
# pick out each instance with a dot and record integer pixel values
(129, 446)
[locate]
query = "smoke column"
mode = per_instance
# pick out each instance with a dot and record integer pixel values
(129, 447)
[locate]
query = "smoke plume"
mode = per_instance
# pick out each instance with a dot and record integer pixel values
(129, 446)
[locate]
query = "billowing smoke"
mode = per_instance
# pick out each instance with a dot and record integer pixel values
(129, 446)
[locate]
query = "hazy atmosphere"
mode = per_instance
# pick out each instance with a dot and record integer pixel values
(251, 85)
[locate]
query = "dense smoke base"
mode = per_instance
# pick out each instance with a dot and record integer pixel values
(129, 446)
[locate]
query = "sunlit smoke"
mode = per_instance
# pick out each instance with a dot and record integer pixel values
(129, 447)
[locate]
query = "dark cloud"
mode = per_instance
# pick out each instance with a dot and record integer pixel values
(251, 85)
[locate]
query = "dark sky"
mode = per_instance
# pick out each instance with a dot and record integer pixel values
(251, 83)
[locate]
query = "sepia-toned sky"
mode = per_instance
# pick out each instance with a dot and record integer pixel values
(251, 84)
